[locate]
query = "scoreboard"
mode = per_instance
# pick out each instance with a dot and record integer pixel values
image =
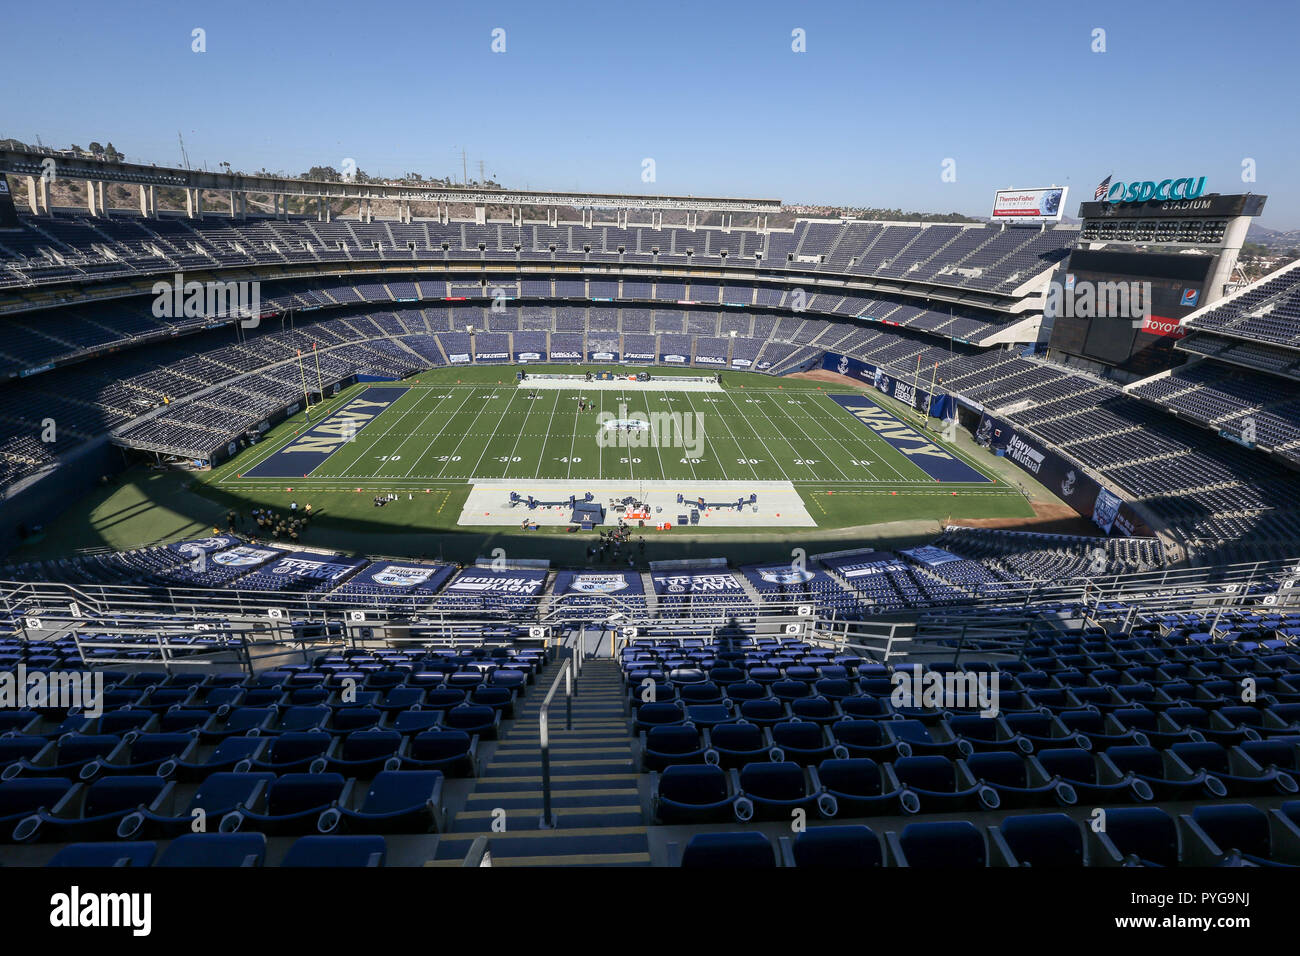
(1177, 288)
(1180, 251)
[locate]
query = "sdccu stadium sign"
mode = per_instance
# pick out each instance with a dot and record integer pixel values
(1186, 188)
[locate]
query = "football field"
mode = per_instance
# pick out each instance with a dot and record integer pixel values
(395, 436)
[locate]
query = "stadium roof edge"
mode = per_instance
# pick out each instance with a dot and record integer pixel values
(35, 164)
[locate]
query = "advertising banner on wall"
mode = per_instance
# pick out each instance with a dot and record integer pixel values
(901, 388)
(1060, 477)
(1030, 205)
(1106, 508)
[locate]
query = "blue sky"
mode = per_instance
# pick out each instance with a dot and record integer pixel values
(711, 91)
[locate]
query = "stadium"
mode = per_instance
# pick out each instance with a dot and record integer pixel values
(374, 523)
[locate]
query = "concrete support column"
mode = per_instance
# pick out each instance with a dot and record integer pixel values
(189, 203)
(198, 202)
(90, 197)
(99, 198)
(144, 201)
(243, 205)
(38, 195)
(480, 215)
(320, 208)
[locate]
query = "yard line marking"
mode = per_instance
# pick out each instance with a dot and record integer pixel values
(541, 455)
(469, 432)
(420, 459)
(662, 473)
(523, 427)
(375, 439)
(846, 424)
(573, 440)
(488, 444)
(863, 438)
(829, 457)
(740, 451)
(773, 458)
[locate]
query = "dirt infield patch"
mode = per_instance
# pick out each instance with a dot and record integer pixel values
(1048, 518)
(826, 375)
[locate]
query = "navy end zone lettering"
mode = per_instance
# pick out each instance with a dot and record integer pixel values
(308, 451)
(929, 457)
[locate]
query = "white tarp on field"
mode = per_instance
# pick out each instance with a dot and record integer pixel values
(778, 506)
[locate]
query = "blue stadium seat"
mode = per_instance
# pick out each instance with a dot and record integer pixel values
(1259, 837)
(215, 850)
(672, 744)
(293, 804)
(397, 801)
(860, 788)
(332, 851)
(454, 752)
(1017, 780)
(840, 847)
(691, 793)
(217, 795)
(1041, 840)
(95, 811)
(771, 791)
(947, 844)
(940, 784)
(748, 850)
(105, 854)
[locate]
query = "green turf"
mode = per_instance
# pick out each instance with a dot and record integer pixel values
(460, 422)
(446, 431)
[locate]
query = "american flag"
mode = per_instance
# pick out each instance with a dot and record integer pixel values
(1102, 189)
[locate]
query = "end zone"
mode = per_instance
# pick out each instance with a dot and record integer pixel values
(308, 451)
(939, 464)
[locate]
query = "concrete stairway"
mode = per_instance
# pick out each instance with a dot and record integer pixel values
(594, 798)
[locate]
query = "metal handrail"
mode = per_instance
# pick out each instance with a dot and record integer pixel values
(163, 600)
(543, 733)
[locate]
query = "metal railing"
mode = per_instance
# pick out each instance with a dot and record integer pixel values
(163, 599)
(543, 732)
